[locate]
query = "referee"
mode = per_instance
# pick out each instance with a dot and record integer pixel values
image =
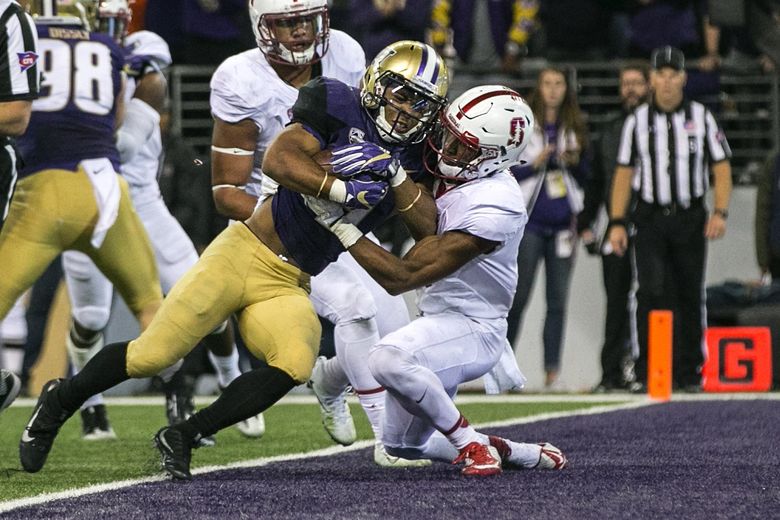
(19, 84)
(668, 148)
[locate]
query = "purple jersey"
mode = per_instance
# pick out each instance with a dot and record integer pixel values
(73, 119)
(331, 111)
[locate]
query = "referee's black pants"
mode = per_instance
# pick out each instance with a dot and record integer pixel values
(617, 285)
(670, 251)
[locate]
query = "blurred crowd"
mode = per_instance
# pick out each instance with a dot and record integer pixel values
(500, 34)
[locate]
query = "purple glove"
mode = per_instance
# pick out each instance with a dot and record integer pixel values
(136, 65)
(364, 192)
(352, 159)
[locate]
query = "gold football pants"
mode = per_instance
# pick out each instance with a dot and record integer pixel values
(237, 273)
(55, 210)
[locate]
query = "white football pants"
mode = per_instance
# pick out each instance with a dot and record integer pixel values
(347, 296)
(421, 366)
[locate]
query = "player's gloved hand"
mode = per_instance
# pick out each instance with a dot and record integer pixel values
(352, 159)
(136, 65)
(330, 215)
(363, 192)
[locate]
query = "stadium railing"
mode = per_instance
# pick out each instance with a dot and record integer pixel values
(747, 103)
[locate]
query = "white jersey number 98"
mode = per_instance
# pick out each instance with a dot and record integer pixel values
(81, 73)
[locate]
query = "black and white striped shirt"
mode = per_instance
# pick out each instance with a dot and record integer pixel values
(19, 75)
(671, 152)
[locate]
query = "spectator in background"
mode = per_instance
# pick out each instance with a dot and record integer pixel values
(378, 23)
(685, 25)
(165, 18)
(668, 148)
(551, 178)
(581, 29)
(512, 22)
(634, 87)
(763, 23)
(768, 219)
(200, 32)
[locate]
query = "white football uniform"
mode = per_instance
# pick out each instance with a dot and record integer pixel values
(90, 291)
(461, 333)
(245, 86)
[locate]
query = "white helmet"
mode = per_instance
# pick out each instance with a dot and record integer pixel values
(113, 18)
(483, 131)
(269, 15)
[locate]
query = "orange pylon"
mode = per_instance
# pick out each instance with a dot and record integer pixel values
(659, 361)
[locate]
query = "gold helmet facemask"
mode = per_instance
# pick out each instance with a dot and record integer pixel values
(65, 12)
(403, 91)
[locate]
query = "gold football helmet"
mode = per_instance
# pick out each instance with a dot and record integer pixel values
(403, 90)
(65, 12)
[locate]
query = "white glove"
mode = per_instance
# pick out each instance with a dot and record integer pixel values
(330, 215)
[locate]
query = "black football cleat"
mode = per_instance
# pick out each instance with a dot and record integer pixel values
(10, 385)
(39, 434)
(176, 452)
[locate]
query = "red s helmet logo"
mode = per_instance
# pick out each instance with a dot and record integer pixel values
(516, 131)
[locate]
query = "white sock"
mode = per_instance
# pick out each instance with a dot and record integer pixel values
(13, 357)
(226, 367)
(439, 448)
(463, 434)
(524, 454)
(374, 406)
(334, 380)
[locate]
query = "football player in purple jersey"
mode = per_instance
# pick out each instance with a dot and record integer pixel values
(69, 195)
(260, 268)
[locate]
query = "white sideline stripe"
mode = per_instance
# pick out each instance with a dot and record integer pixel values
(463, 398)
(333, 450)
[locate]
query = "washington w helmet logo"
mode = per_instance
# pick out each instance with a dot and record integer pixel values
(516, 131)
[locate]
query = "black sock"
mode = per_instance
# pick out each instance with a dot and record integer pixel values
(249, 394)
(107, 369)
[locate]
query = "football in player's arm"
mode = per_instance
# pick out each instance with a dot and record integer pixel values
(469, 271)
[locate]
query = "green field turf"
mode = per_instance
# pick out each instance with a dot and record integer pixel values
(291, 428)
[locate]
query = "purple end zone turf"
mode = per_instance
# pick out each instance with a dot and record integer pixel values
(686, 460)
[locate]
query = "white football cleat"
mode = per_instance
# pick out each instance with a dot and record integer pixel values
(551, 457)
(253, 427)
(334, 410)
(381, 458)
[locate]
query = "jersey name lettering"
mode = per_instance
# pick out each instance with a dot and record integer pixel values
(68, 34)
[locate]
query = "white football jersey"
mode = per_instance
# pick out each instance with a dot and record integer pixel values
(142, 169)
(245, 86)
(492, 208)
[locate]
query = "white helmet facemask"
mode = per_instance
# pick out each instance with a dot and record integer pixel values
(271, 17)
(481, 132)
